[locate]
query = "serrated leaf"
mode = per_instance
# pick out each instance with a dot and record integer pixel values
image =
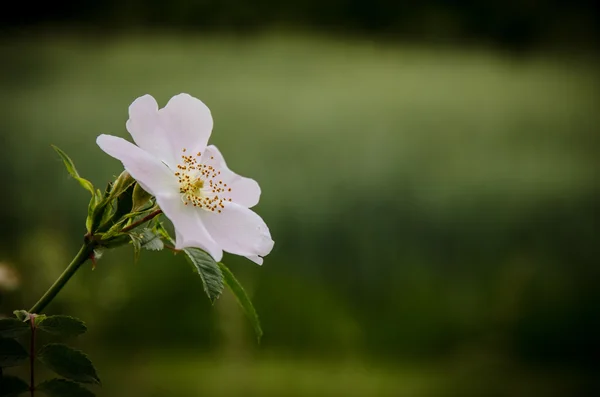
(73, 171)
(62, 325)
(22, 315)
(242, 298)
(208, 270)
(38, 318)
(13, 328)
(63, 388)
(11, 386)
(147, 239)
(11, 353)
(151, 241)
(69, 363)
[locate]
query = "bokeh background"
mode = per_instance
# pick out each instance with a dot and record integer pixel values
(429, 174)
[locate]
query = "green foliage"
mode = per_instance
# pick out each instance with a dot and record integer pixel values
(22, 315)
(140, 198)
(11, 353)
(124, 203)
(145, 238)
(242, 297)
(121, 184)
(73, 171)
(11, 386)
(93, 216)
(63, 388)
(208, 270)
(12, 328)
(62, 325)
(68, 362)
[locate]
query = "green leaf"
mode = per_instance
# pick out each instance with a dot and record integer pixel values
(11, 386)
(68, 362)
(62, 325)
(151, 241)
(73, 171)
(22, 315)
(38, 318)
(242, 298)
(63, 388)
(11, 353)
(145, 238)
(208, 270)
(13, 327)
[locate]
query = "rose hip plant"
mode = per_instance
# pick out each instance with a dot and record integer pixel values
(172, 171)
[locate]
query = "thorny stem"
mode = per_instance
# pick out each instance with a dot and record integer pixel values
(143, 220)
(32, 356)
(85, 253)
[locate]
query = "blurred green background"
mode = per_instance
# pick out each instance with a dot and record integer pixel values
(429, 175)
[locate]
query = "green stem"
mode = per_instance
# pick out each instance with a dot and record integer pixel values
(32, 357)
(143, 220)
(82, 256)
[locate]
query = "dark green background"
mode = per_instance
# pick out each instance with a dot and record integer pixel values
(434, 199)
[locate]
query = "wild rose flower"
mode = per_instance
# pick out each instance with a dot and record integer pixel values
(206, 201)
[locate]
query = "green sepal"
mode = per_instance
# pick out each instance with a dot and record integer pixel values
(89, 220)
(242, 297)
(121, 184)
(13, 327)
(63, 388)
(208, 270)
(11, 353)
(22, 315)
(114, 241)
(69, 363)
(11, 386)
(87, 185)
(124, 203)
(141, 198)
(160, 229)
(62, 325)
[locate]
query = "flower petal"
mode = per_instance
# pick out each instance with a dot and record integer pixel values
(154, 176)
(146, 130)
(189, 230)
(239, 230)
(244, 191)
(187, 122)
(256, 259)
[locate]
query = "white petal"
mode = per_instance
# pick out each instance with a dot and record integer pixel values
(146, 130)
(189, 230)
(187, 122)
(154, 176)
(238, 230)
(244, 191)
(256, 259)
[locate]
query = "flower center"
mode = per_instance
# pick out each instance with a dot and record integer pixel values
(200, 184)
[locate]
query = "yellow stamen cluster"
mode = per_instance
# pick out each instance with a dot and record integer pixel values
(199, 184)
